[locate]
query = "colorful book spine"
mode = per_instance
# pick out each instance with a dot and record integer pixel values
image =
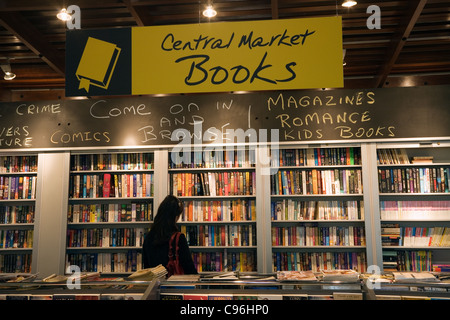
(118, 262)
(315, 181)
(409, 260)
(12, 164)
(317, 157)
(112, 161)
(13, 263)
(219, 261)
(317, 261)
(425, 236)
(215, 158)
(423, 210)
(392, 156)
(219, 210)
(16, 239)
(224, 183)
(16, 214)
(220, 235)
(414, 180)
(318, 236)
(296, 210)
(17, 187)
(112, 212)
(86, 186)
(106, 237)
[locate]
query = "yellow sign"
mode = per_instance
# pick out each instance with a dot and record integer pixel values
(97, 64)
(236, 56)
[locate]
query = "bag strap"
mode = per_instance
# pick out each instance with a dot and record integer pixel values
(177, 236)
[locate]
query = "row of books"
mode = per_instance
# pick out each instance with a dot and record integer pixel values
(11, 164)
(318, 236)
(166, 296)
(390, 234)
(213, 158)
(402, 260)
(16, 238)
(112, 161)
(260, 296)
(414, 180)
(220, 235)
(318, 157)
(292, 209)
(441, 267)
(318, 261)
(392, 156)
(337, 181)
(213, 183)
(70, 297)
(414, 297)
(106, 237)
(243, 261)
(111, 185)
(17, 187)
(110, 212)
(119, 262)
(394, 235)
(219, 210)
(424, 210)
(15, 262)
(16, 214)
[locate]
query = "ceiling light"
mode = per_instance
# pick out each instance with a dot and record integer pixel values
(9, 76)
(64, 15)
(7, 70)
(209, 12)
(349, 3)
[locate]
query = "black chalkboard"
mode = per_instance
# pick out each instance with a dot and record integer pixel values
(309, 116)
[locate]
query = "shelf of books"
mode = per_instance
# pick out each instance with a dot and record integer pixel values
(18, 175)
(110, 210)
(317, 209)
(415, 208)
(218, 190)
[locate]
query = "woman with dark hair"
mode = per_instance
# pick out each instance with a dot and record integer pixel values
(155, 250)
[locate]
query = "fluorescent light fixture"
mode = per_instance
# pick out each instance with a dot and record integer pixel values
(64, 15)
(349, 3)
(209, 12)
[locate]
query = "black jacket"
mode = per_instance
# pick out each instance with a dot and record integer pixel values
(156, 254)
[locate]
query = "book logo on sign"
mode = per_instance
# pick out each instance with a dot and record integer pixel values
(97, 64)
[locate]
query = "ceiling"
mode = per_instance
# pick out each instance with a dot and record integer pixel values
(411, 47)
